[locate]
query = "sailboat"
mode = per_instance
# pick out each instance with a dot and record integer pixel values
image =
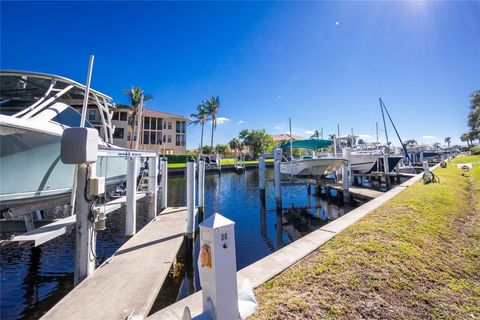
(309, 165)
(35, 109)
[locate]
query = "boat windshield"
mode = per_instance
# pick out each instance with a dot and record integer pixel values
(70, 117)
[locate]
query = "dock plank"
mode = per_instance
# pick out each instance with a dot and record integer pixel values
(128, 285)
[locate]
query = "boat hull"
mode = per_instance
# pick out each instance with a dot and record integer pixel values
(32, 171)
(363, 163)
(311, 167)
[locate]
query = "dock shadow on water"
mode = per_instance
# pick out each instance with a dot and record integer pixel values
(34, 280)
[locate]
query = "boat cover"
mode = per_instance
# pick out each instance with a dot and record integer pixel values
(308, 144)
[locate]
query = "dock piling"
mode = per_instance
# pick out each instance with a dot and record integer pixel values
(261, 176)
(153, 186)
(85, 237)
(201, 189)
(190, 232)
(345, 184)
(163, 182)
(130, 220)
(386, 170)
(278, 183)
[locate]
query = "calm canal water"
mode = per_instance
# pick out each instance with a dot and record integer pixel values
(32, 281)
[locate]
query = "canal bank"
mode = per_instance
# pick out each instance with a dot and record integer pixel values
(417, 256)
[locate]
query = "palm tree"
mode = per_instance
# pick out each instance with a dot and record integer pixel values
(332, 136)
(466, 138)
(448, 141)
(135, 95)
(201, 117)
(436, 145)
(411, 142)
(236, 145)
(315, 135)
(212, 104)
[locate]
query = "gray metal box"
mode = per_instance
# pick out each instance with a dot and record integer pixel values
(79, 145)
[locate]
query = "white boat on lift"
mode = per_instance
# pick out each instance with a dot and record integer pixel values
(310, 165)
(364, 162)
(35, 109)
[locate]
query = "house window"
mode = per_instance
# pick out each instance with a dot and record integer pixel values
(169, 140)
(177, 140)
(152, 137)
(146, 138)
(91, 115)
(118, 133)
(184, 140)
(115, 116)
(177, 126)
(170, 126)
(146, 123)
(184, 126)
(123, 116)
(159, 138)
(153, 124)
(164, 125)
(164, 138)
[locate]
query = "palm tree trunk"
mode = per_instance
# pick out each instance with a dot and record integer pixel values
(201, 140)
(211, 141)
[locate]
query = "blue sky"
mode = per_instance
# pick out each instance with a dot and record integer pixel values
(320, 63)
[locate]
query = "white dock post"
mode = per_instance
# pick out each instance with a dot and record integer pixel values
(261, 176)
(85, 236)
(201, 189)
(190, 198)
(421, 157)
(347, 154)
(153, 186)
(278, 177)
(218, 272)
(164, 183)
(346, 191)
(130, 220)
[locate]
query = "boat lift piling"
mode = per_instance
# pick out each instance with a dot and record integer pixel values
(190, 232)
(277, 155)
(163, 183)
(261, 176)
(130, 219)
(201, 189)
(152, 187)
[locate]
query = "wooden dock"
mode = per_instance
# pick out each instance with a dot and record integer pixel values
(128, 284)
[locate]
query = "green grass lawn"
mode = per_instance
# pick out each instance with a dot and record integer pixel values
(222, 161)
(415, 257)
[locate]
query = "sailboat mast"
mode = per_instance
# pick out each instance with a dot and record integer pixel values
(398, 135)
(376, 125)
(383, 117)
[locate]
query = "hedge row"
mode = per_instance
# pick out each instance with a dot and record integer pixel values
(178, 158)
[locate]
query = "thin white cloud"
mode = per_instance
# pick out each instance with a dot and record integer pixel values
(222, 120)
(428, 137)
(309, 132)
(278, 128)
(240, 121)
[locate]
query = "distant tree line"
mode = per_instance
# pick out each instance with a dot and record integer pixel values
(473, 120)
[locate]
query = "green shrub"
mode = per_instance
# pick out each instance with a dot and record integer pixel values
(475, 150)
(178, 158)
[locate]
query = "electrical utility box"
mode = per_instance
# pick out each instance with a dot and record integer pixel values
(218, 268)
(79, 146)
